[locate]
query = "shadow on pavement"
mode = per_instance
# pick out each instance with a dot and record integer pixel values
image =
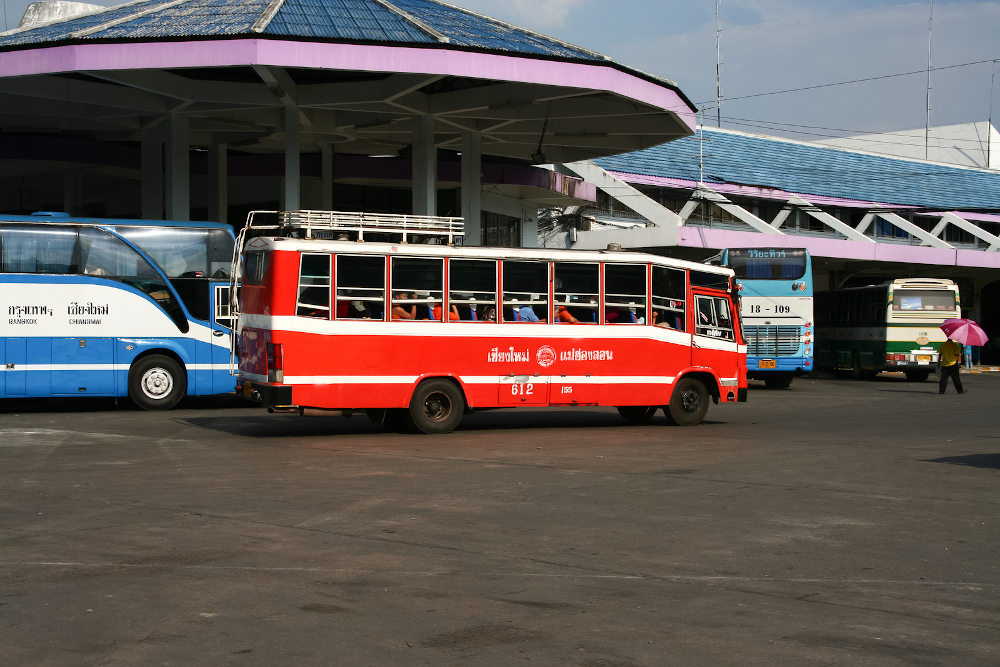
(971, 460)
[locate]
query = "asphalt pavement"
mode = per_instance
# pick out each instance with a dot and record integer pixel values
(838, 522)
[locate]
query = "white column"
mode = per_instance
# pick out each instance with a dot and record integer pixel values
(218, 174)
(472, 187)
(293, 169)
(178, 168)
(424, 167)
(152, 173)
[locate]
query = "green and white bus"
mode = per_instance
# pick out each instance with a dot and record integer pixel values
(894, 326)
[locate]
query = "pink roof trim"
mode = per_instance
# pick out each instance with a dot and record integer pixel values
(350, 57)
(705, 237)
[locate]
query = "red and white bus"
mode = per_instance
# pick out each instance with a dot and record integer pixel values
(351, 312)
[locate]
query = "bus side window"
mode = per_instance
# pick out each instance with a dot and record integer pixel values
(525, 291)
(625, 292)
(713, 317)
(38, 249)
(417, 287)
(472, 285)
(577, 292)
(360, 287)
(314, 286)
(668, 298)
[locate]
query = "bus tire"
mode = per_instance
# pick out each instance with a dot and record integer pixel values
(778, 380)
(860, 373)
(436, 407)
(688, 403)
(156, 382)
(637, 414)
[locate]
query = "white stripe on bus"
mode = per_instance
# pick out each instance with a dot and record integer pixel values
(478, 380)
(102, 367)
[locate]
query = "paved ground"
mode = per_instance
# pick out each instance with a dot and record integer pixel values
(840, 522)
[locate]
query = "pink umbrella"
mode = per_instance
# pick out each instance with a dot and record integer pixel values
(964, 331)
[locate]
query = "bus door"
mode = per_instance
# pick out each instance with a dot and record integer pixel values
(222, 323)
(713, 344)
(14, 355)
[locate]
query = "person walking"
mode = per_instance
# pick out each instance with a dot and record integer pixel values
(951, 361)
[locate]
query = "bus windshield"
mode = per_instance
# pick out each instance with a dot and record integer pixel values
(768, 263)
(912, 299)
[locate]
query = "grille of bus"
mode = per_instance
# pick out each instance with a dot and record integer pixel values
(772, 341)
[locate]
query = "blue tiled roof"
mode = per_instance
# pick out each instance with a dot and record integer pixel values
(412, 22)
(732, 157)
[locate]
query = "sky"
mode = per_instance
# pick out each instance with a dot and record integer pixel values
(771, 46)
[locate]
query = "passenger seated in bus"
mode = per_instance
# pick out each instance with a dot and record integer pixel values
(487, 313)
(527, 314)
(563, 315)
(453, 315)
(667, 321)
(399, 312)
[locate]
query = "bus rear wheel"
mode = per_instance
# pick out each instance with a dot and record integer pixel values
(436, 407)
(156, 382)
(688, 404)
(637, 414)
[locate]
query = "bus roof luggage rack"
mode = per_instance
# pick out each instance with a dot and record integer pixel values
(361, 226)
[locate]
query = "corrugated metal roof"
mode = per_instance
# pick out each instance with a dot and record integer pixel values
(388, 21)
(745, 159)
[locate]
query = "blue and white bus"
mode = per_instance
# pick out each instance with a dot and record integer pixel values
(776, 308)
(101, 307)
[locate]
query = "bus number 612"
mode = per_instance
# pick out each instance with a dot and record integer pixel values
(522, 389)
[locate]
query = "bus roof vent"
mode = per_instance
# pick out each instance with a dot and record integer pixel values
(358, 226)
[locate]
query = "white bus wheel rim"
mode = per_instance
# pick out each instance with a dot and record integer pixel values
(157, 383)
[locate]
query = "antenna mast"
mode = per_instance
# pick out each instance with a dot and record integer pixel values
(718, 67)
(927, 120)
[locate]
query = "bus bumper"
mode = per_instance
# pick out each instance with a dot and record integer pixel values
(268, 395)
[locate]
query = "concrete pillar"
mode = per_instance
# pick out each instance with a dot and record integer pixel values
(326, 155)
(472, 187)
(73, 192)
(152, 173)
(178, 167)
(218, 175)
(293, 169)
(424, 168)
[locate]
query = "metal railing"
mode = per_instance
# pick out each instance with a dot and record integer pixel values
(358, 226)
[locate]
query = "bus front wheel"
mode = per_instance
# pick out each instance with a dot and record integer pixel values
(156, 382)
(436, 407)
(637, 414)
(688, 404)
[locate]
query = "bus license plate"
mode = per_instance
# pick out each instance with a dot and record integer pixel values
(767, 363)
(924, 358)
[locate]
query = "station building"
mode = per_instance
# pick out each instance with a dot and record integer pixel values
(207, 109)
(864, 217)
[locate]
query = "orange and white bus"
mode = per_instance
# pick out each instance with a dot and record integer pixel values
(352, 312)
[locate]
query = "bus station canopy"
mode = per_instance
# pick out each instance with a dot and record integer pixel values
(359, 76)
